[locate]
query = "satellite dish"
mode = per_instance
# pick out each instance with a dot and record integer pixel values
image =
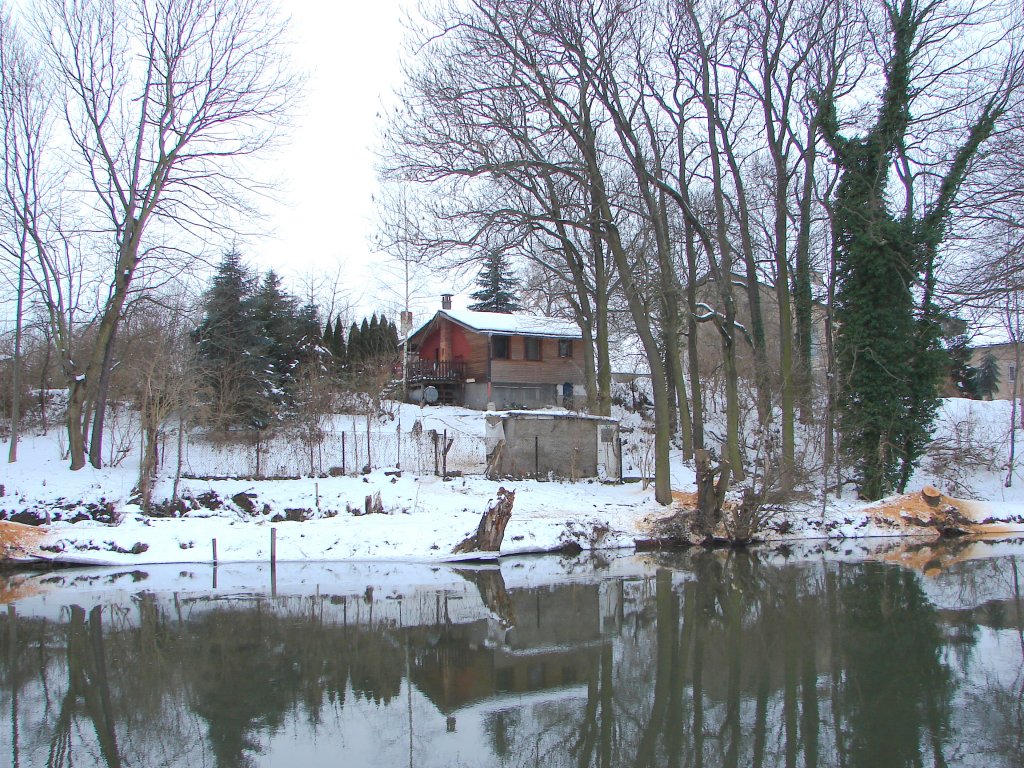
(430, 395)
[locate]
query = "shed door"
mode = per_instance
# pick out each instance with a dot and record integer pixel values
(608, 451)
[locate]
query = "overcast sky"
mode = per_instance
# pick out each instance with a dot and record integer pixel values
(324, 219)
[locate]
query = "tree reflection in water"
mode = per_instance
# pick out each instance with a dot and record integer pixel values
(711, 659)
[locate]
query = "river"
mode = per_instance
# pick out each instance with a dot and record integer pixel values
(865, 654)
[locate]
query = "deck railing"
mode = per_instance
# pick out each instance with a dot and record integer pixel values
(436, 370)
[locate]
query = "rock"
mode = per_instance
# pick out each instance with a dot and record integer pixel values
(245, 501)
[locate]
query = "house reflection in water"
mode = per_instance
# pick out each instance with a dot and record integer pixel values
(552, 646)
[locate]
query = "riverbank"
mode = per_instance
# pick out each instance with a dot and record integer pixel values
(90, 516)
(422, 519)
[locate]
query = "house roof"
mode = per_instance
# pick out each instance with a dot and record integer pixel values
(508, 324)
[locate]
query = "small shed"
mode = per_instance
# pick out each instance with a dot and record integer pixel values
(564, 445)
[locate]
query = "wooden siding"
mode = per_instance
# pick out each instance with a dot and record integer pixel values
(550, 369)
(472, 350)
(468, 349)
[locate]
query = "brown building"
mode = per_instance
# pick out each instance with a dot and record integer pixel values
(511, 360)
(1006, 356)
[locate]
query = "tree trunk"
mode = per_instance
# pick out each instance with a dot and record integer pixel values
(491, 529)
(12, 454)
(100, 405)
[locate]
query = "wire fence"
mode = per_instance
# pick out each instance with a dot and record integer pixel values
(305, 453)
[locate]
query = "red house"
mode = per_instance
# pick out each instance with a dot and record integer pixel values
(514, 361)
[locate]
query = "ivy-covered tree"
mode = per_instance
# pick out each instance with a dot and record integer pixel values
(497, 289)
(888, 346)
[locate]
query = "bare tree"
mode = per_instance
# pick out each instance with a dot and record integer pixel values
(163, 100)
(24, 117)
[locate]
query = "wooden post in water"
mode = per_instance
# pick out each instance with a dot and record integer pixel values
(214, 542)
(273, 562)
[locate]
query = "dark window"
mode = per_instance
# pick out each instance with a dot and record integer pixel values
(531, 349)
(565, 347)
(500, 347)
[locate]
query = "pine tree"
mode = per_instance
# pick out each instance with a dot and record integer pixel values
(328, 336)
(963, 376)
(276, 316)
(310, 346)
(372, 342)
(987, 380)
(339, 349)
(497, 287)
(355, 346)
(225, 340)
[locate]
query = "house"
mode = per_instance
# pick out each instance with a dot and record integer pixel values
(511, 360)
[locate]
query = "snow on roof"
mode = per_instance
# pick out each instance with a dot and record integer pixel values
(513, 325)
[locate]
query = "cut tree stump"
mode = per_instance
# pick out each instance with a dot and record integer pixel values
(491, 530)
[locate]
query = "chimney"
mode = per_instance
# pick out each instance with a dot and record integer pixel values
(446, 301)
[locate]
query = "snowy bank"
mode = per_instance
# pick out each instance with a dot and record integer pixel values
(93, 520)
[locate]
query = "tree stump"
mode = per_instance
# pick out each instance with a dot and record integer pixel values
(491, 529)
(931, 495)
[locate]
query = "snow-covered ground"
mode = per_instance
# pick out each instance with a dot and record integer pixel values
(316, 519)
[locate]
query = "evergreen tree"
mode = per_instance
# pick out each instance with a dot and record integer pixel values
(393, 340)
(987, 380)
(328, 336)
(372, 343)
(339, 349)
(963, 376)
(497, 287)
(277, 348)
(225, 339)
(355, 346)
(310, 346)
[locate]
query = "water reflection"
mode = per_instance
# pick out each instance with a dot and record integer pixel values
(710, 659)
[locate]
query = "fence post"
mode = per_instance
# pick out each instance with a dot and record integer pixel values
(273, 547)
(343, 452)
(398, 445)
(536, 457)
(444, 459)
(215, 552)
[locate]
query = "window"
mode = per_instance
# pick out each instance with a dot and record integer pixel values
(500, 347)
(531, 349)
(1012, 373)
(565, 347)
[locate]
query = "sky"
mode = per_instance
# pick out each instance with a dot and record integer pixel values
(322, 222)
